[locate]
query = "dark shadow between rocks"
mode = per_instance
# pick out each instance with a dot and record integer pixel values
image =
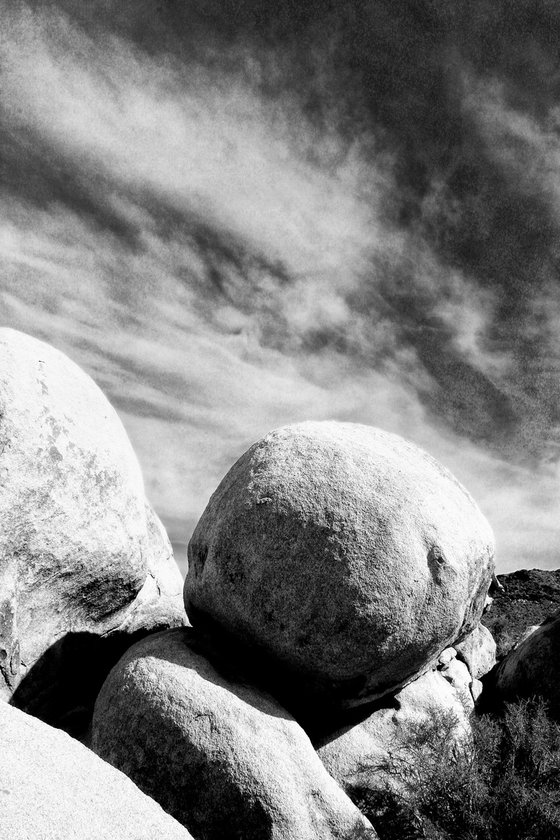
(250, 666)
(62, 686)
(488, 701)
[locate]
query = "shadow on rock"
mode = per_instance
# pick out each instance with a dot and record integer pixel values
(61, 687)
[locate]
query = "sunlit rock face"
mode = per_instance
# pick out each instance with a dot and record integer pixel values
(395, 746)
(84, 561)
(220, 755)
(53, 787)
(343, 557)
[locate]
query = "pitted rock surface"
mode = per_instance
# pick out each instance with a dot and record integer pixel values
(222, 757)
(342, 554)
(83, 558)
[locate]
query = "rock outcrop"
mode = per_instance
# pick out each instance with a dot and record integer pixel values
(223, 758)
(526, 597)
(393, 748)
(85, 565)
(52, 787)
(530, 669)
(342, 558)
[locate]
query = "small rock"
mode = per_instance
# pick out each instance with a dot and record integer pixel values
(458, 676)
(476, 689)
(446, 656)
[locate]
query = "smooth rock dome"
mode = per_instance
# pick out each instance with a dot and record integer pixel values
(341, 555)
(84, 561)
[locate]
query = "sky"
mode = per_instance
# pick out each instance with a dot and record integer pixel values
(237, 215)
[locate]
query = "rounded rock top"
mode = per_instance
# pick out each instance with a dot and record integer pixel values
(343, 556)
(83, 557)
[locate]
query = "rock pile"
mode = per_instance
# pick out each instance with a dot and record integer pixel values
(336, 583)
(334, 565)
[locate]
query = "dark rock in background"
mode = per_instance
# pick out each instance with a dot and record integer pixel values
(345, 555)
(528, 597)
(530, 669)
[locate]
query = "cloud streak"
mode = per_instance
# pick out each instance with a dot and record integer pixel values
(234, 227)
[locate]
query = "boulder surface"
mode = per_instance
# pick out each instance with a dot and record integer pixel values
(52, 787)
(84, 561)
(343, 555)
(478, 651)
(530, 669)
(395, 746)
(223, 758)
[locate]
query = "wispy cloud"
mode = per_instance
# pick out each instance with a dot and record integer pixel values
(223, 262)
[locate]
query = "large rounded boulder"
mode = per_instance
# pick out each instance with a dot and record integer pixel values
(343, 558)
(85, 564)
(224, 758)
